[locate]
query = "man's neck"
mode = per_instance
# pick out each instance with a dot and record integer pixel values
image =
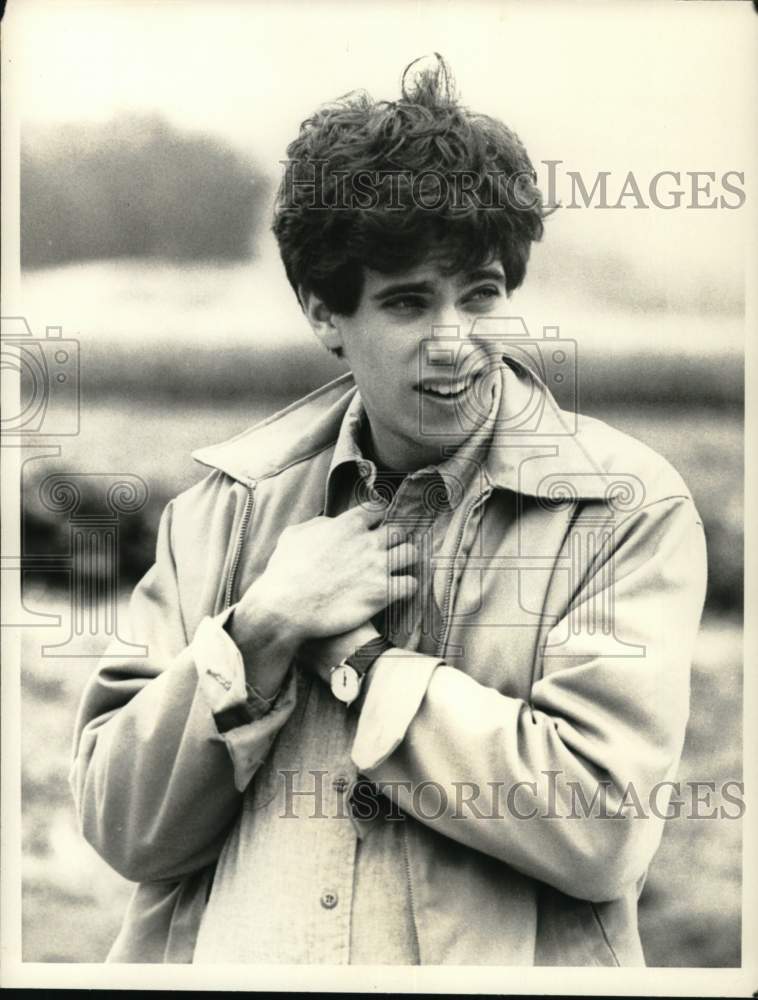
(397, 458)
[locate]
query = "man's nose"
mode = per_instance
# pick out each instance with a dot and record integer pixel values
(452, 321)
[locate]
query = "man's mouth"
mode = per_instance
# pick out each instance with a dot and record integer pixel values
(448, 388)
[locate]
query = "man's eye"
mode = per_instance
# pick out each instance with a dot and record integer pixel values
(405, 304)
(483, 294)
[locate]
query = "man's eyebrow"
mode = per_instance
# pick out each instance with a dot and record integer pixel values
(485, 274)
(405, 288)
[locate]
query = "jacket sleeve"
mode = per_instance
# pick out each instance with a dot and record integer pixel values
(160, 758)
(597, 724)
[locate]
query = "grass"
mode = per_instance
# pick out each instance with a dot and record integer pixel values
(690, 907)
(72, 901)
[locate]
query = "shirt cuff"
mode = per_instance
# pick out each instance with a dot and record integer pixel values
(399, 680)
(221, 672)
(246, 721)
(249, 744)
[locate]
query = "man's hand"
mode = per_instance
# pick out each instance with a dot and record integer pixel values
(327, 576)
(325, 579)
(320, 655)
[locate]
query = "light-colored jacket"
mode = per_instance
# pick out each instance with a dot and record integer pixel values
(584, 588)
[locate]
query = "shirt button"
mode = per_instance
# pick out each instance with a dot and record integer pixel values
(340, 784)
(328, 900)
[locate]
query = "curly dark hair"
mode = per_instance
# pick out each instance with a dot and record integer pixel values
(379, 183)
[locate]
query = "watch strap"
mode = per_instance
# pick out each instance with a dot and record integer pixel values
(366, 655)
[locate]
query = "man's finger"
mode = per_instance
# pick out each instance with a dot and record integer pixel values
(401, 556)
(401, 588)
(370, 514)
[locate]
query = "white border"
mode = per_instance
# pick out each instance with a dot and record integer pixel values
(588, 982)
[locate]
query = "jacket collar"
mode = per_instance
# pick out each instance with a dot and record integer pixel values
(537, 448)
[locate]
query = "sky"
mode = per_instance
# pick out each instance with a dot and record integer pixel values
(607, 86)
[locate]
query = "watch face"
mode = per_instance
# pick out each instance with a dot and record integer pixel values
(346, 683)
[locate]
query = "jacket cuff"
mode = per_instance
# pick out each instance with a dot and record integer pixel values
(399, 680)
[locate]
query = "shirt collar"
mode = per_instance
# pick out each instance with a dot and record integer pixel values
(456, 471)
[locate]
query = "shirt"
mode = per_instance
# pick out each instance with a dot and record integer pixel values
(347, 899)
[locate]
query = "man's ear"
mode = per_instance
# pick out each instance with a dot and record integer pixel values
(322, 322)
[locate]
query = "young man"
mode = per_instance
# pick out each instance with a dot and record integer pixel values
(419, 645)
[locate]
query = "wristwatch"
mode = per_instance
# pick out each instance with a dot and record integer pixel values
(346, 678)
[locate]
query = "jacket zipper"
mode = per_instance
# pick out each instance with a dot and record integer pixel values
(247, 513)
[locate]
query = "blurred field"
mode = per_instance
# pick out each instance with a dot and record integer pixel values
(691, 904)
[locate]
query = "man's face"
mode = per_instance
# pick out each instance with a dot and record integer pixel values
(383, 342)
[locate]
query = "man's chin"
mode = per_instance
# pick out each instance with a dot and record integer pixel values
(454, 421)
(433, 445)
